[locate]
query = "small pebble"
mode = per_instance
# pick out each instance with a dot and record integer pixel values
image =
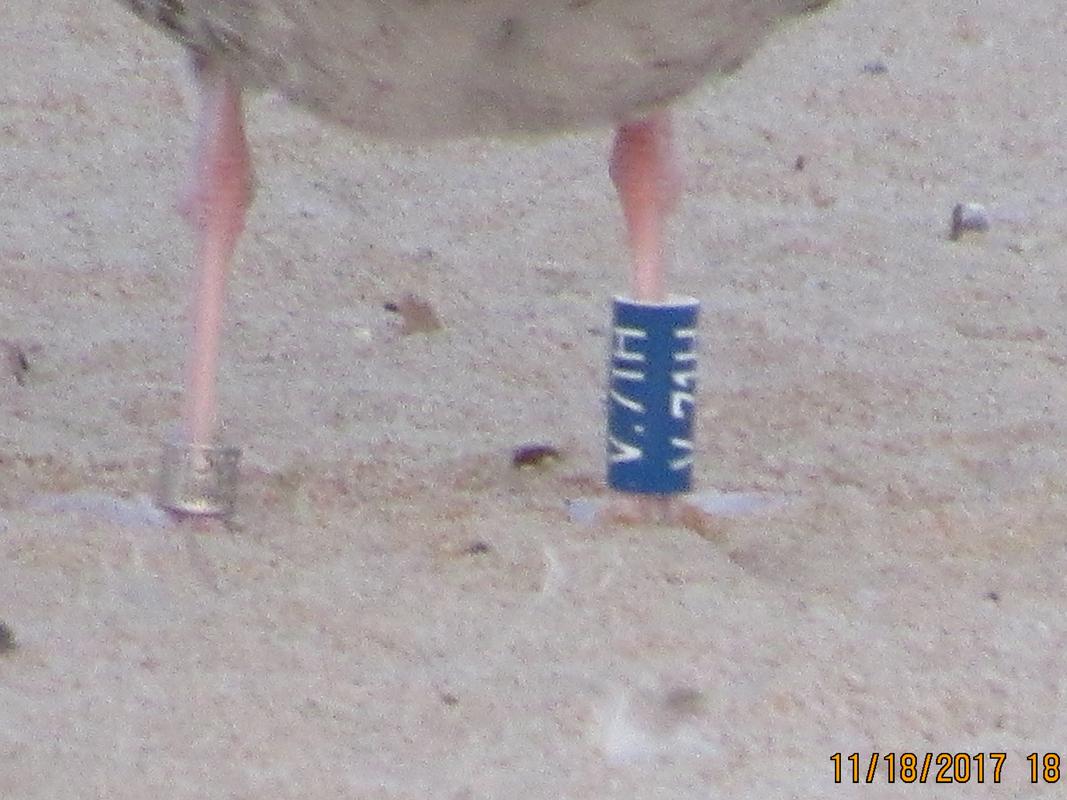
(534, 455)
(876, 67)
(7, 639)
(477, 548)
(685, 701)
(17, 363)
(416, 315)
(968, 218)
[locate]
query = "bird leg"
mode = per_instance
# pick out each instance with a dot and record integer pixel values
(646, 174)
(215, 204)
(199, 475)
(645, 171)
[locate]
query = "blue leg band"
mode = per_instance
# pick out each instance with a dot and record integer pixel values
(651, 396)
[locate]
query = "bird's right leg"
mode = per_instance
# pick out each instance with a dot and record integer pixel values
(215, 203)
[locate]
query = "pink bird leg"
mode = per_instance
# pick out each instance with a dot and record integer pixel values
(644, 168)
(645, 171)
(215, 204)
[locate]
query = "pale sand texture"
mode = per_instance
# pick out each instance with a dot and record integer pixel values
(906, 392)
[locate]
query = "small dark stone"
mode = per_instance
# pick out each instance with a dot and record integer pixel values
(416, 314)
(449, 699)
(993, 595)
(7, 639)
(876, 67)
(968, 218)
(685, 701)
(800, 163)
(534, 455)
(477, 548)
(17, 362)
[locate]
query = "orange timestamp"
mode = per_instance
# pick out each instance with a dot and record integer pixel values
(939, 767)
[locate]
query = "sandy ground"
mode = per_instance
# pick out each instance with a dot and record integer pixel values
(397, 612)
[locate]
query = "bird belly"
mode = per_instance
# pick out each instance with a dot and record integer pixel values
(422, 69)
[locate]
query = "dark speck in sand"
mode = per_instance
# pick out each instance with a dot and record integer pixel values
(17, 362)
(534, 455)
(7, 639)
(685, 701)
(477, 548)
(416, 315)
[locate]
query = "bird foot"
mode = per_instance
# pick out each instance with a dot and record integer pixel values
(702, 512)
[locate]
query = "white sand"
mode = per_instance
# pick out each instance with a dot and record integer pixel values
(905, 392)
